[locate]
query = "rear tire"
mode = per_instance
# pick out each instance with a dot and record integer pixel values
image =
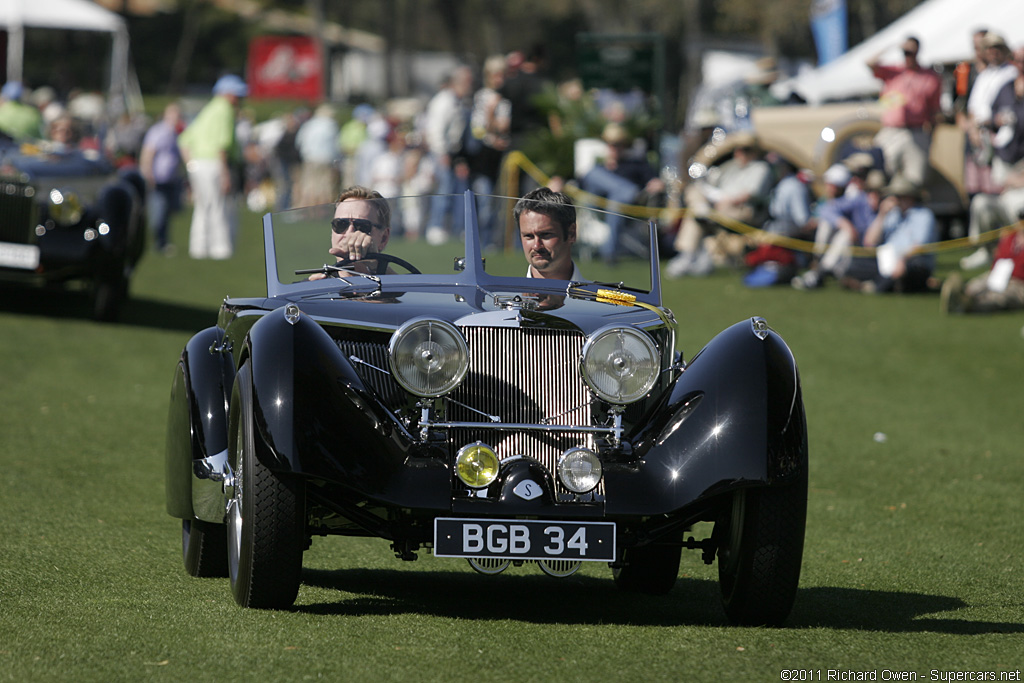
(761, 552)
(266, 524)
(204, 548)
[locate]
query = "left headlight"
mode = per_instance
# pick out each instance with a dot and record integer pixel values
(620, 364)
(429, 358)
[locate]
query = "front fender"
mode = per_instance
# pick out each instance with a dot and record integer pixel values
(733, 418)
(197, 418)
(318, 419)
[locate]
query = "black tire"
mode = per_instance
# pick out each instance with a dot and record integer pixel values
(204, 549)
(760, 553)
(650, 569)
(109, 294)
(266, 525)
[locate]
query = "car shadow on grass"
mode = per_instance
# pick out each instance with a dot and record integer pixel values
(589, 600)
(68, 303)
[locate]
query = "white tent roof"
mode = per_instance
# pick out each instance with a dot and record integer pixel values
(73, 15)
(944, 28)
(81, 15)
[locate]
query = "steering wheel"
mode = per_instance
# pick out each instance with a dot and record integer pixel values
(382, 261)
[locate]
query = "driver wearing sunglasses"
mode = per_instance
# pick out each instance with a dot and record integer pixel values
(361, 225)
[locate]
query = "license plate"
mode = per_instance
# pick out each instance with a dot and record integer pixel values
(19, 255)
(519, 539)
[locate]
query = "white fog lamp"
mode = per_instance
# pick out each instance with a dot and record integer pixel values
(579, 470)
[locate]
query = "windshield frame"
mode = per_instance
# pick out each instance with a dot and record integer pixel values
(473, 275)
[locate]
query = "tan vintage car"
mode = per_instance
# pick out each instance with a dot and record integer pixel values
(815, 137)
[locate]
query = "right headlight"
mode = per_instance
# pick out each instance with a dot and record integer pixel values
(428, 358)
(620, 364)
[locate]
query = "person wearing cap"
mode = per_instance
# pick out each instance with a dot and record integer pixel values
(911, 107)
(619, 178)
(897, 233)
(739, 191)
(211, 152)
(18, 120)
(843, 221)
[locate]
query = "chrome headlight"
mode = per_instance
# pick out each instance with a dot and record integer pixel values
(620, 364)
(429, 358)
(579, 470)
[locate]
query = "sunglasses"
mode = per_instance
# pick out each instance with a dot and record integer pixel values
(341, 225)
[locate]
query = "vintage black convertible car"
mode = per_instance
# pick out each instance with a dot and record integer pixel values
(440, 400)
(68, 216)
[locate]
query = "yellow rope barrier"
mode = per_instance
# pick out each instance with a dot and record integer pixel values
(516, 161)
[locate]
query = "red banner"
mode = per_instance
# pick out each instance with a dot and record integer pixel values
(285, 67)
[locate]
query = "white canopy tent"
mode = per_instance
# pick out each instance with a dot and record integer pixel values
(944, 28)
(72, 15)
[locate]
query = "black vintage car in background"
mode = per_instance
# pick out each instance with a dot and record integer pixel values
(69, 217)
(446, 403)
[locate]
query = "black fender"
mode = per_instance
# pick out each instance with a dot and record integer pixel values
(316, 418)
(197, 418)
(115, 206)
(135, 239)
(733, 418)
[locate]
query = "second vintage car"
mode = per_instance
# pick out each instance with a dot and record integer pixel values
(68, 217)
(447, 403)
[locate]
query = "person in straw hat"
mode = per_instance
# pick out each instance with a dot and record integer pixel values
(738, 191)
(903, 225)
(620, 178)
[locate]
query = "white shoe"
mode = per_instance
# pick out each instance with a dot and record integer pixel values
(679, 265)
(809, 280)
(978, 259)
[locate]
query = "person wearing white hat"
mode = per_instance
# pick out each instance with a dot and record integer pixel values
(211, 151)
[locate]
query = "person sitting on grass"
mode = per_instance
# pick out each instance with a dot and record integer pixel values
(900, 229)
(1001, 288)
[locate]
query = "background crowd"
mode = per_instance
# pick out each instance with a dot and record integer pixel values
(864, 224)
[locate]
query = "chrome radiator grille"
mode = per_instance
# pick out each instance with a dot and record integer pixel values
(523, 376)
(16, 219)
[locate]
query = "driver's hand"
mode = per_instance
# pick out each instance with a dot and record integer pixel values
(354, 245)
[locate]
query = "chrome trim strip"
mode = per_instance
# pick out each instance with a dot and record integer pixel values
(209, 477)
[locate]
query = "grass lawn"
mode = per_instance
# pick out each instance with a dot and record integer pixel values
(913, 557)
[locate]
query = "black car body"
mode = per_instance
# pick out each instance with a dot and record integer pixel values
(69, 216)
(567, 429)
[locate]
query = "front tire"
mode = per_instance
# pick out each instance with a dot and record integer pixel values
(761, 552)
(266, 525)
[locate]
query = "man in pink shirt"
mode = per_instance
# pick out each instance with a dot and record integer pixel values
(911, 107)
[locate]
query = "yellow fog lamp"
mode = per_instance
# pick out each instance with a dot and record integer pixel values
(477, 465)
(579, 470)
(65, 207)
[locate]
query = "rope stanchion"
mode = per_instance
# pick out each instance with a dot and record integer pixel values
(516, 161)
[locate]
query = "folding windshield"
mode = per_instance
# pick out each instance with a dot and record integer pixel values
(515, 238)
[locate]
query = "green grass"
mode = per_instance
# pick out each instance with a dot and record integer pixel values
(912, 561)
